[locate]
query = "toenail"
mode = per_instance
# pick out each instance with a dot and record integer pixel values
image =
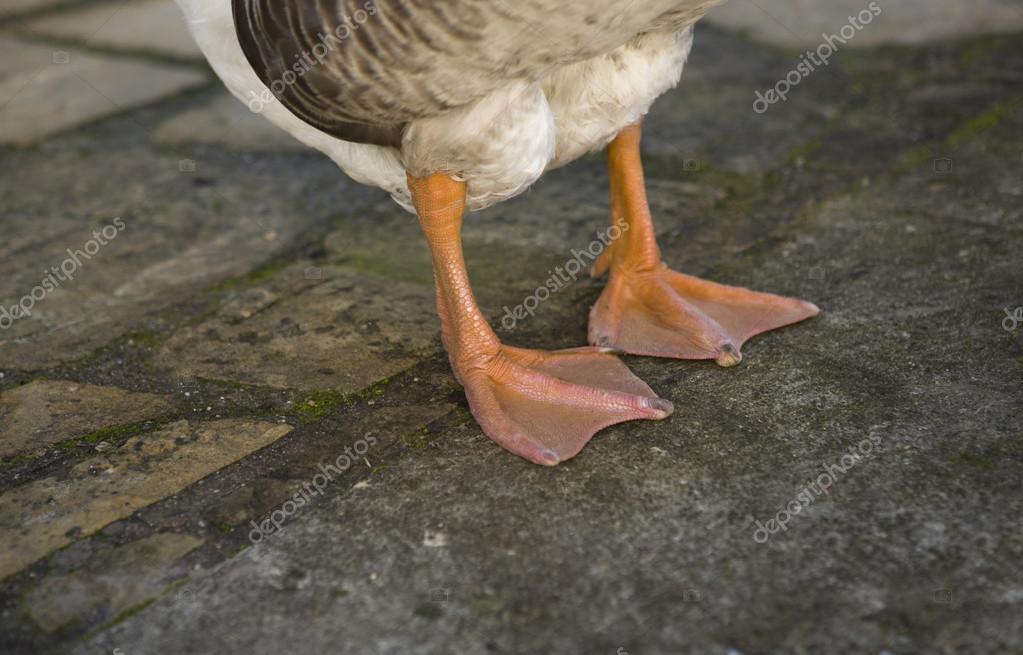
(550, 457)
(729, 356)
(661, 405)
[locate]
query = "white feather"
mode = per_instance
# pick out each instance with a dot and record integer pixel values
(502, 143)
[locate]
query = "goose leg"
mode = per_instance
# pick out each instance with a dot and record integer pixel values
(648, 309)
(543, 406)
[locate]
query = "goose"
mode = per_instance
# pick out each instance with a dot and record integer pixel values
(452, 106)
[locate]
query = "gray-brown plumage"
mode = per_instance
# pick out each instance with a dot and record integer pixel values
(380, 65)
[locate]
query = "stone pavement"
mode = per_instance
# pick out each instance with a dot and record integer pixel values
(229, 426)
(801, 23)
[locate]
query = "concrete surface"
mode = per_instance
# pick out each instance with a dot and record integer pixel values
(804, 23)
(232, 429)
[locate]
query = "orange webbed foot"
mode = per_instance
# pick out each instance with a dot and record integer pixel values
(543, 406)
(662, 313)
(649, 309)
(546, 406)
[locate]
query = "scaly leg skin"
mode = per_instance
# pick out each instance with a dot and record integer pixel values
(648, 309)
(543, 406)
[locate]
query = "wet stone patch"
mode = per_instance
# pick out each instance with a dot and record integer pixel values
(49, 89)
(113, 582)
(43, 412)
(44, 515)
(309, 328)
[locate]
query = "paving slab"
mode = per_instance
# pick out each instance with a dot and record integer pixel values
(45, 514)
(193, 217)
(309, 328)
(802, 23)
(13, 8)
(116, 581)
(153, 26)
(226, 121)
(44, 412)
(46, 90)
(713, 123)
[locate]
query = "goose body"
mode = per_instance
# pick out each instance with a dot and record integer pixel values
(455, 105)
(495, 91)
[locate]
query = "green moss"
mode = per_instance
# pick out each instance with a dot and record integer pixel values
(985, 122)
(266, 271)
(462, 416)
(114, 435)
(917, 157)
(806, 150)
(146, 339)
(973, 459)
(127, 614)
(321, 403)
(261, 274)
(417, 440)
(969, 130)
(14, 460)
(402, 261)
(982, 51)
